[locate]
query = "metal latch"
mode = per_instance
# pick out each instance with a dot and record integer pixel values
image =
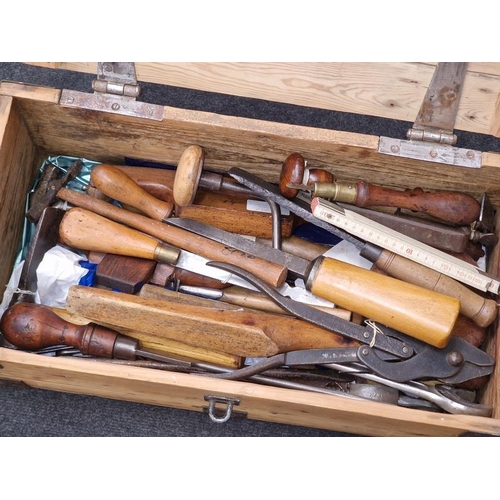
(431, 138)
(221, 415)
(115, 91)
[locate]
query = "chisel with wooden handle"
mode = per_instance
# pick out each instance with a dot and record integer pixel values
(241, 333)
(358, 290)
(97, 233)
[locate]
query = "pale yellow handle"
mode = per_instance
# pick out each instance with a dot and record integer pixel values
(420, 313)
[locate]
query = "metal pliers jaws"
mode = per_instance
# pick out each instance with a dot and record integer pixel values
(384, 351)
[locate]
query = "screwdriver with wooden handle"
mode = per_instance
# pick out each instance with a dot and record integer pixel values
(32, 327)
(452, 207)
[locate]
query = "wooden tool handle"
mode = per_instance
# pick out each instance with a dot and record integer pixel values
(294, 171)
(188, 175)
(241, 333)
(420, 313)
(479, 309)
(449, 206)
(116, 184)
(271, 273)
(86, 230)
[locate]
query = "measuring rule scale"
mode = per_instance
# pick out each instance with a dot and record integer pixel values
(400, 244)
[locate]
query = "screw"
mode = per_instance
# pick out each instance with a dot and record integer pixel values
(470, 155)
(115, 106)
(433, 153)
(405, 349)
(70, 99)
(108, 67)
(364, 351)
(366, 334)
(395, 149)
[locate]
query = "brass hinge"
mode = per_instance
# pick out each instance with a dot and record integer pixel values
(115, 91)
(432, 136)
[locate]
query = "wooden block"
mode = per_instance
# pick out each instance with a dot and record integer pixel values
(127, 274)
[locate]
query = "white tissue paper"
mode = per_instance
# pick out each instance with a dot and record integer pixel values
(58, 271)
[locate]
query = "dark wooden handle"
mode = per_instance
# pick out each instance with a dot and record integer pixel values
(116, 184)
(449, 206)
(32, 326)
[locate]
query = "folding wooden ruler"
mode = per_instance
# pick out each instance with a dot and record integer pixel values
(403, 245)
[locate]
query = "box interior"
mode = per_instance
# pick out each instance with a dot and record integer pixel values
(33, 125)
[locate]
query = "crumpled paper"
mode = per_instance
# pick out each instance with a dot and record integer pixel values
(57, 272)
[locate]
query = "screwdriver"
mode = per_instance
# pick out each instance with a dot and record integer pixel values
(32, 327)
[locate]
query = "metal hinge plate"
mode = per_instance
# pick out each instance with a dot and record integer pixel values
(117, 78)
(431, 138)
(115, 91)
(427, 151)
(111, 104)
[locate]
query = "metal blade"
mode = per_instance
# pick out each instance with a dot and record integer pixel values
(197, 264)
(294, 264)
(265, 190)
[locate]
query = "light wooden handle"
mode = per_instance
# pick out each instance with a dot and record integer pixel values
(271, 273)
(188, 174)
(85, 230)
(479, 309)
(420, 313)
(241, 333)
(116, 184)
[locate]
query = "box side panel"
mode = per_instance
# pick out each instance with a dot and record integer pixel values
(278, 405)
(17, 166)
(255, 145)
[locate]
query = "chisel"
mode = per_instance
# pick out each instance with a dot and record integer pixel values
(411, 309)
(270, 272)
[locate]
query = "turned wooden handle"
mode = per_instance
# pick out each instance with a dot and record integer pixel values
(85, 230)
(411, 309)
(271, 273)
(188, 174)
(449, 206)
(116, 184)
(294, 171)
(241, 333)
(479, 309)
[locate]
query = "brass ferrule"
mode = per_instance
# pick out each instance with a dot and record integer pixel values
(166, 253)
(343, 191)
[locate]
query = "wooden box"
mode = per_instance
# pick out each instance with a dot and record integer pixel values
(36, 122)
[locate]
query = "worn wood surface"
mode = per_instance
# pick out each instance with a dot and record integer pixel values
(271, 404)
(17, 168)
(257, 146)
(386, 89)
